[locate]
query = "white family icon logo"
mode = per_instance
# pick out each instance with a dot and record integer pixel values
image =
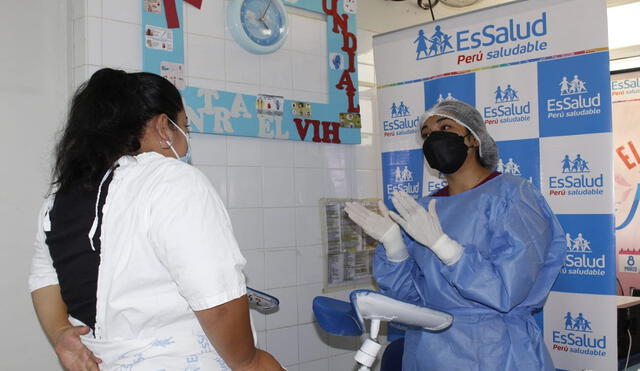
(510, 167)
(401, 178)
(574, 101)
(448, 97)
(404, 175)
(579, 260)
(576, 86)
(578, 244)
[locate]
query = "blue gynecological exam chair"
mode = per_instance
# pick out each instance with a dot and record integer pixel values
(343, 318)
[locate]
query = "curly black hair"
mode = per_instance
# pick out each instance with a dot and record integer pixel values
(106, 120)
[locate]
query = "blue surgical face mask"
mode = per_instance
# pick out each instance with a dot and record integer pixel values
(187, 157)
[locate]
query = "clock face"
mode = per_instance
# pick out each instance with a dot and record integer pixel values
(263, 21)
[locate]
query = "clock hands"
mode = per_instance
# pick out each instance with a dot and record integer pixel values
(261, 19)
(265, 25)
(265, 12)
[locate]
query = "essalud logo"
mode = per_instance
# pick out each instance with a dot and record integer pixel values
(400, 123)
(399, 110)
(434, 185)
(577, 336)
(577, 165)
(432, 46)
(575, 179)
(579, 259)
(404, 175)
(507, 95)
(510, 167)
(401, 178)
(447, 98)
(579, 323)
(574, 100)
(576, 86)
(578, 244)
(506, 106)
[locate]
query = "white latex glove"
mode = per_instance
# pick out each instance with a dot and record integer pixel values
(380, 227)
(424, 226)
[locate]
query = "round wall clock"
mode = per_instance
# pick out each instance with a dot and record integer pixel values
(259, 26)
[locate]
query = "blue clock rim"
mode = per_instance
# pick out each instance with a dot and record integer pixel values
(262, 41)
(234, 22)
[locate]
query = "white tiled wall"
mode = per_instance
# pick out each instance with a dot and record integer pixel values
(34, 95)
(270, 187)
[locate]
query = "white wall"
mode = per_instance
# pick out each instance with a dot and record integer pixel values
(384, 16)
(34, 88)
(271, 188)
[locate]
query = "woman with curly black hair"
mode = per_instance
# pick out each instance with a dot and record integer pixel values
(136, 266)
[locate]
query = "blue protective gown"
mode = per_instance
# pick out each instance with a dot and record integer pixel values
(513, 251)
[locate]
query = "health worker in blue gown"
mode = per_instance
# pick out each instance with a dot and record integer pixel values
(486, 248)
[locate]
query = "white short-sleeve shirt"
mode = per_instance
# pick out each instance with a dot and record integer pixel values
(167, 249)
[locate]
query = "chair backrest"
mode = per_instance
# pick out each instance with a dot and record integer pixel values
(336, 317)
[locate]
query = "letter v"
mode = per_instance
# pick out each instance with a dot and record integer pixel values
(302, 131)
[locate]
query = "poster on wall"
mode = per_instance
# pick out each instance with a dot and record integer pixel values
(348, 249)
(540, 79)
(625, 95)
(260, 115)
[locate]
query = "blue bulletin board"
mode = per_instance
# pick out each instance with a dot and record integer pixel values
(264, 116)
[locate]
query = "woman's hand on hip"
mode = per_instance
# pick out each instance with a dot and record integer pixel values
(73, 354)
